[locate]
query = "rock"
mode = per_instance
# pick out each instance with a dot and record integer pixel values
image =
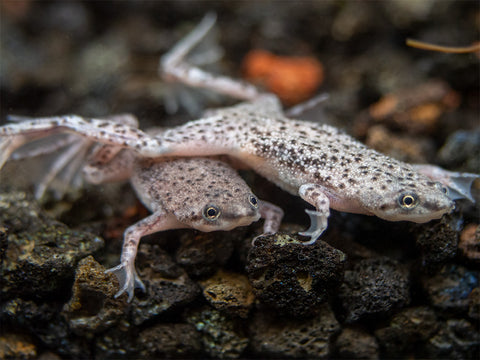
(229, 292)
(200, 254)
(469, 244)
(409, 148)
(354, 343)
(460, 151)
(292, 277)
(45, 323)
(293, 338)
(168, 286)
(42, 253)
(374, 287)
(408, 330)
(169, 341)
(116, 343)
(449, 289)
(438, 241)
(221, 336)
(15, 346)
(457, 339)
(92, 307)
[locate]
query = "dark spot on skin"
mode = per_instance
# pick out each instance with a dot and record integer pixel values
(341, 186)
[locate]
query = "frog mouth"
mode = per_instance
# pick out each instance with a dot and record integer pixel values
(418, 218)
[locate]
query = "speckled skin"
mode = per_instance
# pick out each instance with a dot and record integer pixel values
(324, 166)
(204, 194)
(199, 193)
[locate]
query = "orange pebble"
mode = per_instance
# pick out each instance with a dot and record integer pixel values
(292, 79)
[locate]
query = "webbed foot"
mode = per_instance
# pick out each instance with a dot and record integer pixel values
(8, 145)
(128, 278)
(318, 224)
(458, 183)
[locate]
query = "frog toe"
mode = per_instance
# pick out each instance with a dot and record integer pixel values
(318, 224)
(460, 184)
(128, 279)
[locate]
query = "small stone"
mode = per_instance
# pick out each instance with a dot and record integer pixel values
(169, 341)
(201, 254)
(45, 322)
(294, 338)
(437, 241)
(461, 150)
(374, 287)
(292, 277)
(116, 343)
(356, 344)
(457, 339)
(42, 253)
(229, 292)
(469, 243)
(408, 148)
(168, 285)
(219, 334)
(449, 289)
(15, 346)
(93, 307)
(408, 330)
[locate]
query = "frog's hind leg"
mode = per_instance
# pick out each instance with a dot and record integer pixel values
(70, 157)
(458, 183)
(102, 131)
(7, 146)
(173, 67)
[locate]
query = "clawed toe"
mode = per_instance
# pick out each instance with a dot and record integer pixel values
(128, 279)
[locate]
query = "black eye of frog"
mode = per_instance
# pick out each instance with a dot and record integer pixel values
(211, 212)
(253, 201)
(408, 201)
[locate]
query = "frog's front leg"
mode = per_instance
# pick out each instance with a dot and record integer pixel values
(459, 184)
(314, 195)
(125, 271)
(273, 216)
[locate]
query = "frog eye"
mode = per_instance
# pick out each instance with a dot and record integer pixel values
(408, 201)
(445, 190)
(253, 201)
(211, 212)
